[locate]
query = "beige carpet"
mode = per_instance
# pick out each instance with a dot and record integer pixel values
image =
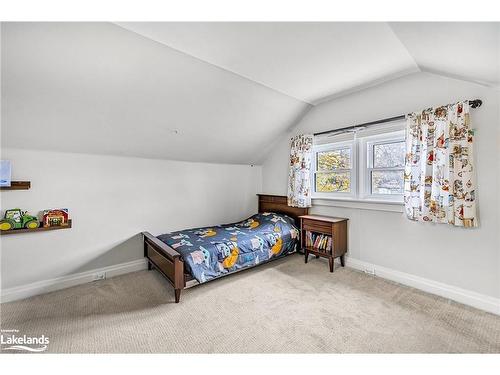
(284, 306)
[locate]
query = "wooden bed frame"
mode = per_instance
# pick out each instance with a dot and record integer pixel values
(169, 262)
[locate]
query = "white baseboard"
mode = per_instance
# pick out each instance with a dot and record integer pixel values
(467, 297)
(45, 286)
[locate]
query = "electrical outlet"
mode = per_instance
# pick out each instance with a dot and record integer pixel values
(370, 271)
(99, 276)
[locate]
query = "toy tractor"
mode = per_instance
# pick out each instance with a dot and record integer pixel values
(17, 219)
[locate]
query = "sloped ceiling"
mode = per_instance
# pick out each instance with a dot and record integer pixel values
(214, 92)
(307, 61)
(97, 88)
(466, 50)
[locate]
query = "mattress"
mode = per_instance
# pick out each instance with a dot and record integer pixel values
(215, 251)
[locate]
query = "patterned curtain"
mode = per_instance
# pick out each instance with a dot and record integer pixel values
(299, 178)
(439, 171)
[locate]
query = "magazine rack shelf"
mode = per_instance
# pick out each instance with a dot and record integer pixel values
(39, 229)
(17, 185)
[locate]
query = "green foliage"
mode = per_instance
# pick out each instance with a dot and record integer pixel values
(333, 173)
(333, 182)
(337, 159)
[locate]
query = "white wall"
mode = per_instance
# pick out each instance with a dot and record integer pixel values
(463, 258)
(111, 199)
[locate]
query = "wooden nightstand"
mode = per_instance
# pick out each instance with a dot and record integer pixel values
(314, 228)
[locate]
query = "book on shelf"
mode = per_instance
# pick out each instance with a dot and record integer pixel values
(318, 241)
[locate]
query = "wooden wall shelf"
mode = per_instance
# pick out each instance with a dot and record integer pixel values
(17, 185)
(39, 229)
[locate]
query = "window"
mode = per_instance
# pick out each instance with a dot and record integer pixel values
(333, 169)
(376, 161)
(386, 160)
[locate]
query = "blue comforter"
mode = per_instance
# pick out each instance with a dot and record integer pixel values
(214, 251)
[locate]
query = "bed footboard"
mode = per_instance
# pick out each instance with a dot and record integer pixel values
(166, 260)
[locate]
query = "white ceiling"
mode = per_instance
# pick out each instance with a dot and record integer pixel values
(97, 88)
(465, 50)
(214, 92)
(307, 61)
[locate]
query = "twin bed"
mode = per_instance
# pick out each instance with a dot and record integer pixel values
(195, 256)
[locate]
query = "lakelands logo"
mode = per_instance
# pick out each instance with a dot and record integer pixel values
(10, 339)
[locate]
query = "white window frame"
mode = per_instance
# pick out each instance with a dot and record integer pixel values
(366, 166)
(353, 175)
(361, 168)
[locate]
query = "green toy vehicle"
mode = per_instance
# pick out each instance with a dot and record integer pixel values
(17, 219)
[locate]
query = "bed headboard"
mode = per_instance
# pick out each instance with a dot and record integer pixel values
(278, 203)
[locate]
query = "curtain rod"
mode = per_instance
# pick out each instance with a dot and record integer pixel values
(473, 103)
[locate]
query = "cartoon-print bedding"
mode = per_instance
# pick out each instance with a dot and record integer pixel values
(214, 251)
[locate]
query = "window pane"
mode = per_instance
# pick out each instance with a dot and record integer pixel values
(333, 182)
(389, 155)
(387, 182)
(336, 159)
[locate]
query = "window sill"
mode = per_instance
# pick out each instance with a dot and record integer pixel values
(365, 204)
